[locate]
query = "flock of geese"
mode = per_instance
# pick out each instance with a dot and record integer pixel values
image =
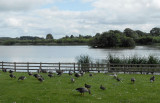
(82, 90)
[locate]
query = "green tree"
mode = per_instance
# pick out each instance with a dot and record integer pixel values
(49, 36)
(155, 31)
(130, 33)
(140, 33)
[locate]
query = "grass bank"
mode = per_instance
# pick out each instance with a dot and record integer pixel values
(59, 89)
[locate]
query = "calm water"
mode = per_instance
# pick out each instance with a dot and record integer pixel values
(67, 53)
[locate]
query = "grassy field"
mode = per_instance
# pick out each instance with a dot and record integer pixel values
(59, 89)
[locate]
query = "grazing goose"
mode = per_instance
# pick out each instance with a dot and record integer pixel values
(90, 75)
(70, 73)
(152, 79)
(30, 73)
(82, 73)
(83, 90)
(12, 76)
(36, 75)
(41, 79)
(118, 79)
(10, 71)
(77, 75)
(133, 80)
(50, 75)
(103, 88)
(87, 86)
(72, 80)
(21, 78)
(59, 72)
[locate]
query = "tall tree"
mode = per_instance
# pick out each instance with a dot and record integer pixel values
(155, 31)
(49, 36)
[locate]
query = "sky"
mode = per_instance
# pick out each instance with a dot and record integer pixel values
(74, 17)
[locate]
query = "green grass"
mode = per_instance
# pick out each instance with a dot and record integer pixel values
(59, 89)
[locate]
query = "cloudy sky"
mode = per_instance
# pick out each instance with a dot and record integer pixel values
(74, 17)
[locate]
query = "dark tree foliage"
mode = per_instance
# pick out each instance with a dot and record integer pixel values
(146, 40)
(30, 38)
(127, 42)
(130, 33)
(140, 33)
(155, 31)
(49, 36)
(112, 38)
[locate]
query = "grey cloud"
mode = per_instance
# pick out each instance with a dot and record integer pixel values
(107, 14)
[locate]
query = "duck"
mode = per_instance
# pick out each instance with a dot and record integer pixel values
(102, 87)
(12, 76)
(21, 78)
(133, 80)
(83, 90)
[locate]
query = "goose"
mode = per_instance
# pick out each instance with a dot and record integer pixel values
(87, 86)
(82, 73)
(83, 90)
(12, 76)
(72, 80)
(10, 71)
(103, 88)
(118, 79)
(36, 75)
(133, 80)
(30, 73)
(77, 75)
(90, 75)
(59, 72)
(21, 78)
(50, 75)
(41, 79)
(152, 79)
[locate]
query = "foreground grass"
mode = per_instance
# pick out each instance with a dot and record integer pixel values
(59, 89)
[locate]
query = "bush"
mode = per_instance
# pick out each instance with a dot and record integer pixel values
(84, 61)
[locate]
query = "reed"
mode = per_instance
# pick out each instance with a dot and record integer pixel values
(134, 60)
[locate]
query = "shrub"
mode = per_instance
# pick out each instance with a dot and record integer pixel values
(84, 61)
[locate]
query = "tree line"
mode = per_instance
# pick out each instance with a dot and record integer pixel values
(108, 39)
(127, 38)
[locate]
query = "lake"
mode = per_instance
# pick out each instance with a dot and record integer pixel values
(68, 53)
